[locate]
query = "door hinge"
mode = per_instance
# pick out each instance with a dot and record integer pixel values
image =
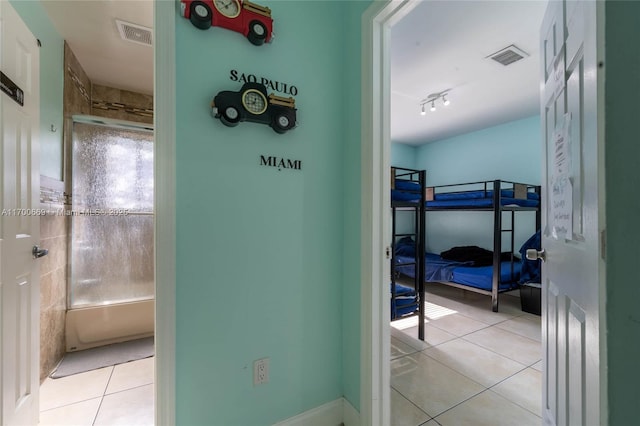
(387, 252)
(603, 244)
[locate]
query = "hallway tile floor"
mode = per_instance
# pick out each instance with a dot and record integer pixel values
(475, 367)
(118, 395)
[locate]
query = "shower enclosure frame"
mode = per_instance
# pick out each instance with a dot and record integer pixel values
(98, 325)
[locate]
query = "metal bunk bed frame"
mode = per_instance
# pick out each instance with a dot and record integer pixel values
(498, 230)
(418, 207)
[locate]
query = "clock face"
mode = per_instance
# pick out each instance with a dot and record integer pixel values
(228, 8)
(254, 101)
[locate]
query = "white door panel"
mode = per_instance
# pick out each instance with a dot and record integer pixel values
(571, 273)
(19, 225)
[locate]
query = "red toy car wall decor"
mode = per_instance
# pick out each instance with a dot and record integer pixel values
(251, 103)
(250, 19)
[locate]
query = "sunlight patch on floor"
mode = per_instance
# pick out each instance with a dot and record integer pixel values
(432, 312)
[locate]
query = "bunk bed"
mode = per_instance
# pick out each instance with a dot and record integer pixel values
(408, 196)
(503, 269)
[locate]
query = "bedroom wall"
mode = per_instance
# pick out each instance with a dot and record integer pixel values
(260, 251)
(403, 155)
(510, 151)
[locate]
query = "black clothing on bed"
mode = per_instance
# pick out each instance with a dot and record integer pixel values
(475, 254)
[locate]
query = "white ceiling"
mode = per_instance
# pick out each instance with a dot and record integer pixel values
(89, 27)
(440, 45)
(443, 45)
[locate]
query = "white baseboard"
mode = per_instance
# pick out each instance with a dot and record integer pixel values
(350, 416)
(334, 413)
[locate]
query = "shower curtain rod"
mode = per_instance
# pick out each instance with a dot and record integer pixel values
(112, 122)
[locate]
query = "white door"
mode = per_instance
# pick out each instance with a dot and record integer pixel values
(572, 220)
(19, 223)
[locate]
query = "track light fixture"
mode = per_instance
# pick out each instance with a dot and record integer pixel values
(432, 98)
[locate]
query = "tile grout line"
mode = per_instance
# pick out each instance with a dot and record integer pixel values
(414, 404)
(95, 417)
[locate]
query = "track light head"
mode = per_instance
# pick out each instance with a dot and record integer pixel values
(445, 101)
(433, 105)
(423, 111)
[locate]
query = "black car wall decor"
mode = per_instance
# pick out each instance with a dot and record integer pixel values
(251, 103)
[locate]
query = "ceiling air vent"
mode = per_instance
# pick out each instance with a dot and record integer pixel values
(134, 33)
(508, 55)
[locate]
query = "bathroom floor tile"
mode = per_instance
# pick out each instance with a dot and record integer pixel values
(523, 326)
(519, 348)
(131, 374)
(537, 366)
(133, 407)
(429, 384)
(78, 414)
(79, 387)
(404, 413)
(523, 389)
(479, 364)
(488, 409)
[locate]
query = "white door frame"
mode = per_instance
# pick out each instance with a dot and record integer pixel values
(375, 230)
(165, 218)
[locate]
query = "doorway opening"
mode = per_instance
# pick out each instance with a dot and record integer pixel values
(440, 311)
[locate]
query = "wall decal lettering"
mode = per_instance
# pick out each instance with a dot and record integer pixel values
(280, 163)
(276, 86)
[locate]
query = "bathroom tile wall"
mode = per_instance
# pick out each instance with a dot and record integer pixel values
(77, 87)
(53, 276)
(121, 104)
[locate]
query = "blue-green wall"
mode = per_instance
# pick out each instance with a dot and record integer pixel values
(511, 151)
(260, 252)
(403, 155)
(622, 156)
(51, 84)
(351, 196)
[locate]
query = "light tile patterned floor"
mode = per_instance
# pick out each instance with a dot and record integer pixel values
(475, 367)
(120, 395)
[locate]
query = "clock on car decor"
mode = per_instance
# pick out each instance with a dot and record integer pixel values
(247, 18)
(251, 103)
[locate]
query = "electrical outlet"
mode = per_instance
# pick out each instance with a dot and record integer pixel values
(260, 371)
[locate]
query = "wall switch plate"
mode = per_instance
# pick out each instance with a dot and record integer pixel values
(260, 371)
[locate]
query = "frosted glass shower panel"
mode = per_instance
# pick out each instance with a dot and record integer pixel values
(112, 221)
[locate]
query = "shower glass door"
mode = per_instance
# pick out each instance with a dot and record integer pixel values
(112, 215)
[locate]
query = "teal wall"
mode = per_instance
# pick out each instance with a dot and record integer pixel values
(260, 252)
(51, 84)
(622, 156)
(351, 196)
(403, 155)
(510, 151)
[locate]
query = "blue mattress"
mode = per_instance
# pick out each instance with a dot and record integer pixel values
(405, 301)
(410, 192)
(465, 195)
(439, 269)
(480, 202)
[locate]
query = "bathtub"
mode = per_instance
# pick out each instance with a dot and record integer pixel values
(103, 325)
